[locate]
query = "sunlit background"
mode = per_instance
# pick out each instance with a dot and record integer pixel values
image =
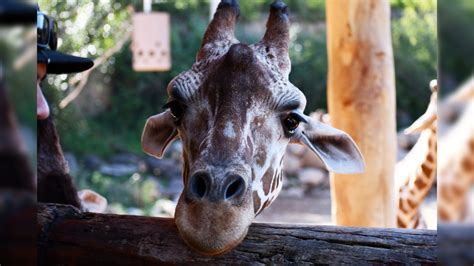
(100, 123)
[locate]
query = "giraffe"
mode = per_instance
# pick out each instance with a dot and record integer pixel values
(456, 163)
(416, 172)
(235, 112)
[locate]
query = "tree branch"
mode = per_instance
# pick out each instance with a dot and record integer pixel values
(83, 77)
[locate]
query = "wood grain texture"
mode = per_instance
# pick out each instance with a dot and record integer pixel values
(456, 244)
(361, 101)
(69, 237)
(17, 227)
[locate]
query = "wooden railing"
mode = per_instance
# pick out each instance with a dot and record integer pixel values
(67, 235)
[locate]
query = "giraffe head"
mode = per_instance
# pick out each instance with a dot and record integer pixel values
(235, 112)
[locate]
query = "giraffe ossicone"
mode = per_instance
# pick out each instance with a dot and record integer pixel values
(235, 112)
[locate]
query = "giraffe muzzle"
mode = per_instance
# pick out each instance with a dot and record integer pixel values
(214, 212)
(203, 186)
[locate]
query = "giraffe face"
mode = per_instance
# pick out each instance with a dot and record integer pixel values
(235, 112)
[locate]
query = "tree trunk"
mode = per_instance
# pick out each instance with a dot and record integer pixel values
(361, 101)
(68, 236)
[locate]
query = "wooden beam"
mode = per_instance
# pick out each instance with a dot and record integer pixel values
(456, 243)
(361, 101)
(66, 235)
(17, 227)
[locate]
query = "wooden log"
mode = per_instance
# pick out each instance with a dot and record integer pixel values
(68, 236)
(17, 227)
(456, 244)
(361, 101)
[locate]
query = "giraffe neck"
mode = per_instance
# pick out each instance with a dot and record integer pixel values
(456, 168)
(455, 185)
(417, 179)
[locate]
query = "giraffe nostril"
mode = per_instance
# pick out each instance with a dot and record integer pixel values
(199, 184)
(235, 187)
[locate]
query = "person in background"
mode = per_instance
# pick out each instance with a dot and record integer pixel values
(55, 185)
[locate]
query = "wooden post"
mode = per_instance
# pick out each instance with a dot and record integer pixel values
(361, 101)
(66, 235)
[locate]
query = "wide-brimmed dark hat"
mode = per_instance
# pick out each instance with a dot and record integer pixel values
(15, 12)
(57, 62)
(60, 63)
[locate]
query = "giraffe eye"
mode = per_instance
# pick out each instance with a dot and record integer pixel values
(176, 108)
(291, 123)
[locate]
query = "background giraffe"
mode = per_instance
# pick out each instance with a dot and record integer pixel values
(456, 164)
(416, 172)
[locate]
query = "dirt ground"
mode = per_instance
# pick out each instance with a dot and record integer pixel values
(315, 208)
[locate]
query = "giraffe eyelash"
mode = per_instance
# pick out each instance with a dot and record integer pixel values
(176, 108)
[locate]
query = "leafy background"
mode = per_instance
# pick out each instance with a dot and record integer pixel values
(108, 117)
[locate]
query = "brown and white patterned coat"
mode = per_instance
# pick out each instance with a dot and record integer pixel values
(416, 172)
(456, 159)
(235, 112)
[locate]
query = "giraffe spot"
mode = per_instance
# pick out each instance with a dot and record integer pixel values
(256, 202)
(401, 223)
(430, 158)
(260, 158)
(471, 145)
(267, 181)
(203, 116)
(419, 183)
(444, 194)
(467, 164)
(457, 190)
(427, 170)
(258, 121)
(411, 203)
(442, 214)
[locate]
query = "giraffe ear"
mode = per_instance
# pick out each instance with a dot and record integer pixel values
(159, 131)
(334, 147)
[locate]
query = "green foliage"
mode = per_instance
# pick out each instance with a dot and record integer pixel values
(88, 28)
(456, 40)
(309, 66)
(415, 53)
(19, 83)
(135, 191)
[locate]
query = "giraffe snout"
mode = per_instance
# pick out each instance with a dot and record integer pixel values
(203, 186)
